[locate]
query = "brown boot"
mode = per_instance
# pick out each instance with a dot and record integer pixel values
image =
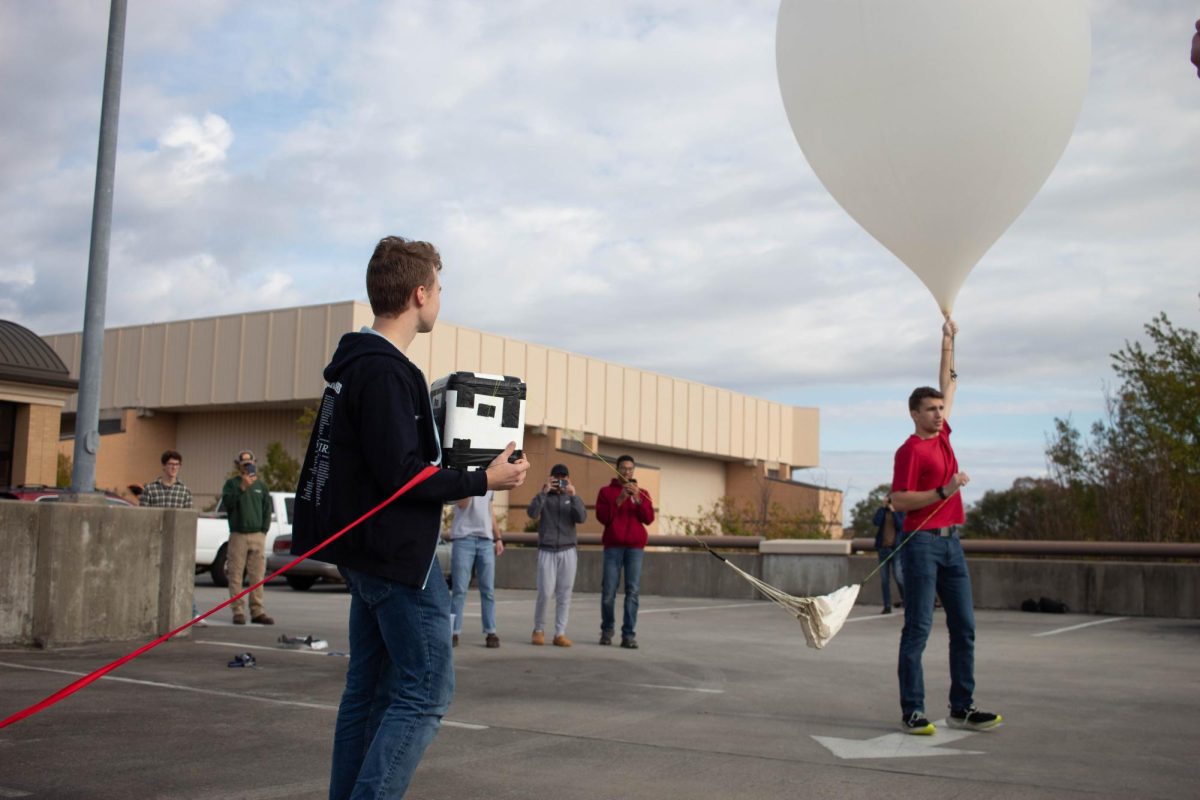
(561, 641)
(492, 640)
(239, 619)
(262, 619)
(538, 638)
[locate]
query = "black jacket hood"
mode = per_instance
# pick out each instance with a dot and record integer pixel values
(353, 346)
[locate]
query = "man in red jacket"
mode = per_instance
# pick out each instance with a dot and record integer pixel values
(625, 511)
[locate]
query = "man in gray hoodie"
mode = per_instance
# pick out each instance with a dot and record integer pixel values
(558, 510)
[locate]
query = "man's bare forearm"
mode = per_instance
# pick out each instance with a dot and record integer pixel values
(947, 379)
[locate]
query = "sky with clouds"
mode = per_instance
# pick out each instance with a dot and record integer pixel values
(614, 179)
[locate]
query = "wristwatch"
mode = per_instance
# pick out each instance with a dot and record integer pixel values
(941, 492)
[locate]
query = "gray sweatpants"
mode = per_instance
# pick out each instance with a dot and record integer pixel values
(555, 576)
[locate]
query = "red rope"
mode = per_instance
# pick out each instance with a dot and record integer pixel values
(67, 691)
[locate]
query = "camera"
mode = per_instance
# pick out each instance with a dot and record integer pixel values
(558, 483)
(250, 469)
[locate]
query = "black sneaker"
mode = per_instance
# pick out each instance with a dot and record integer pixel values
(605, 637)
(629, 642)
(972, 719)
(916, 724)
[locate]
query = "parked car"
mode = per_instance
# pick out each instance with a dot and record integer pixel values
(50, 494)
(212, 535)
(302, 576)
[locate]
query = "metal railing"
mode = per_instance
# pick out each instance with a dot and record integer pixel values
(656, 540)
(1027, 547)
(1011, 547)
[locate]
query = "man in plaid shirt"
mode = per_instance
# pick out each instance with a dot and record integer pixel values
(167, 491)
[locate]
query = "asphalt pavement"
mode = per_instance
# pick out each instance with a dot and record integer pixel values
(722, 700)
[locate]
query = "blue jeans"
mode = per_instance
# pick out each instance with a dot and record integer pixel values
(616, 559)
(935, 566)
(398, 685)
(891, 567)
(473, 552)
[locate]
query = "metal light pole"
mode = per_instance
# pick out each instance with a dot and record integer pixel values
(87, 415)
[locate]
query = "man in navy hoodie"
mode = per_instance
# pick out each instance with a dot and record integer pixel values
(374, 432)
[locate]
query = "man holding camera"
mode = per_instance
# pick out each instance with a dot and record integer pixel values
(558, 509)
(625, 510)
(247, 502)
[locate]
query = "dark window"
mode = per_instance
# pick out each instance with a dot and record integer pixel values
(8, 436)
(289, 503)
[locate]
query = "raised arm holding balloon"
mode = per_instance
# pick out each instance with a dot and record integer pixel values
(947, 377)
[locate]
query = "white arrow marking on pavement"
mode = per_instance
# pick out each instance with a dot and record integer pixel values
(900, 745)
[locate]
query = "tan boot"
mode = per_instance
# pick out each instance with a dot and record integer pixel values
(561, 641)
(539, 638)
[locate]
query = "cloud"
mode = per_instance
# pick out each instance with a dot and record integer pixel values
(197, 148)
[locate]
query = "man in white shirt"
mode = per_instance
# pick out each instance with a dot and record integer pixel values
(475, 542)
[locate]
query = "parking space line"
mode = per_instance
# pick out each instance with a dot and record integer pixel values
(6, 792)
(217, 692)
(875, 616)
(680, 688)
(160, 685)
(1081, 625)
(702, 608)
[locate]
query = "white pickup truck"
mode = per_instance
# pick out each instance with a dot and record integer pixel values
(212, 535)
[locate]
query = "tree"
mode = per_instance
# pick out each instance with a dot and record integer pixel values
(1158, 404)
(1137, 477)
(727, 517)
(304, 426)
(62, 474)
(1144, 458)
(280, 471)
(863, 513)
(1033, 508)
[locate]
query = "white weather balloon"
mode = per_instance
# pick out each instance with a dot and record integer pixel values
(933, 122)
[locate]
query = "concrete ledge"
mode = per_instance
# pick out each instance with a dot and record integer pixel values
(77, 573)
(1088, 587)
(808, 547)
(688, 574)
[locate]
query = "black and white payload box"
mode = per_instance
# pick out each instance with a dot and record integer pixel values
(478, 415)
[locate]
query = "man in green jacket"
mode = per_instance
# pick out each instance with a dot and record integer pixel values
(247, 501)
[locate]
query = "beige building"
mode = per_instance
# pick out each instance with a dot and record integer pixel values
(213, 386)
(34, 387)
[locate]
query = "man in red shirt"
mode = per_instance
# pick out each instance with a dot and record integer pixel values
(925, 485)
(625, 510)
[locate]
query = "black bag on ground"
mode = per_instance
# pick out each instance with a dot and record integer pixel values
(1048, 606)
